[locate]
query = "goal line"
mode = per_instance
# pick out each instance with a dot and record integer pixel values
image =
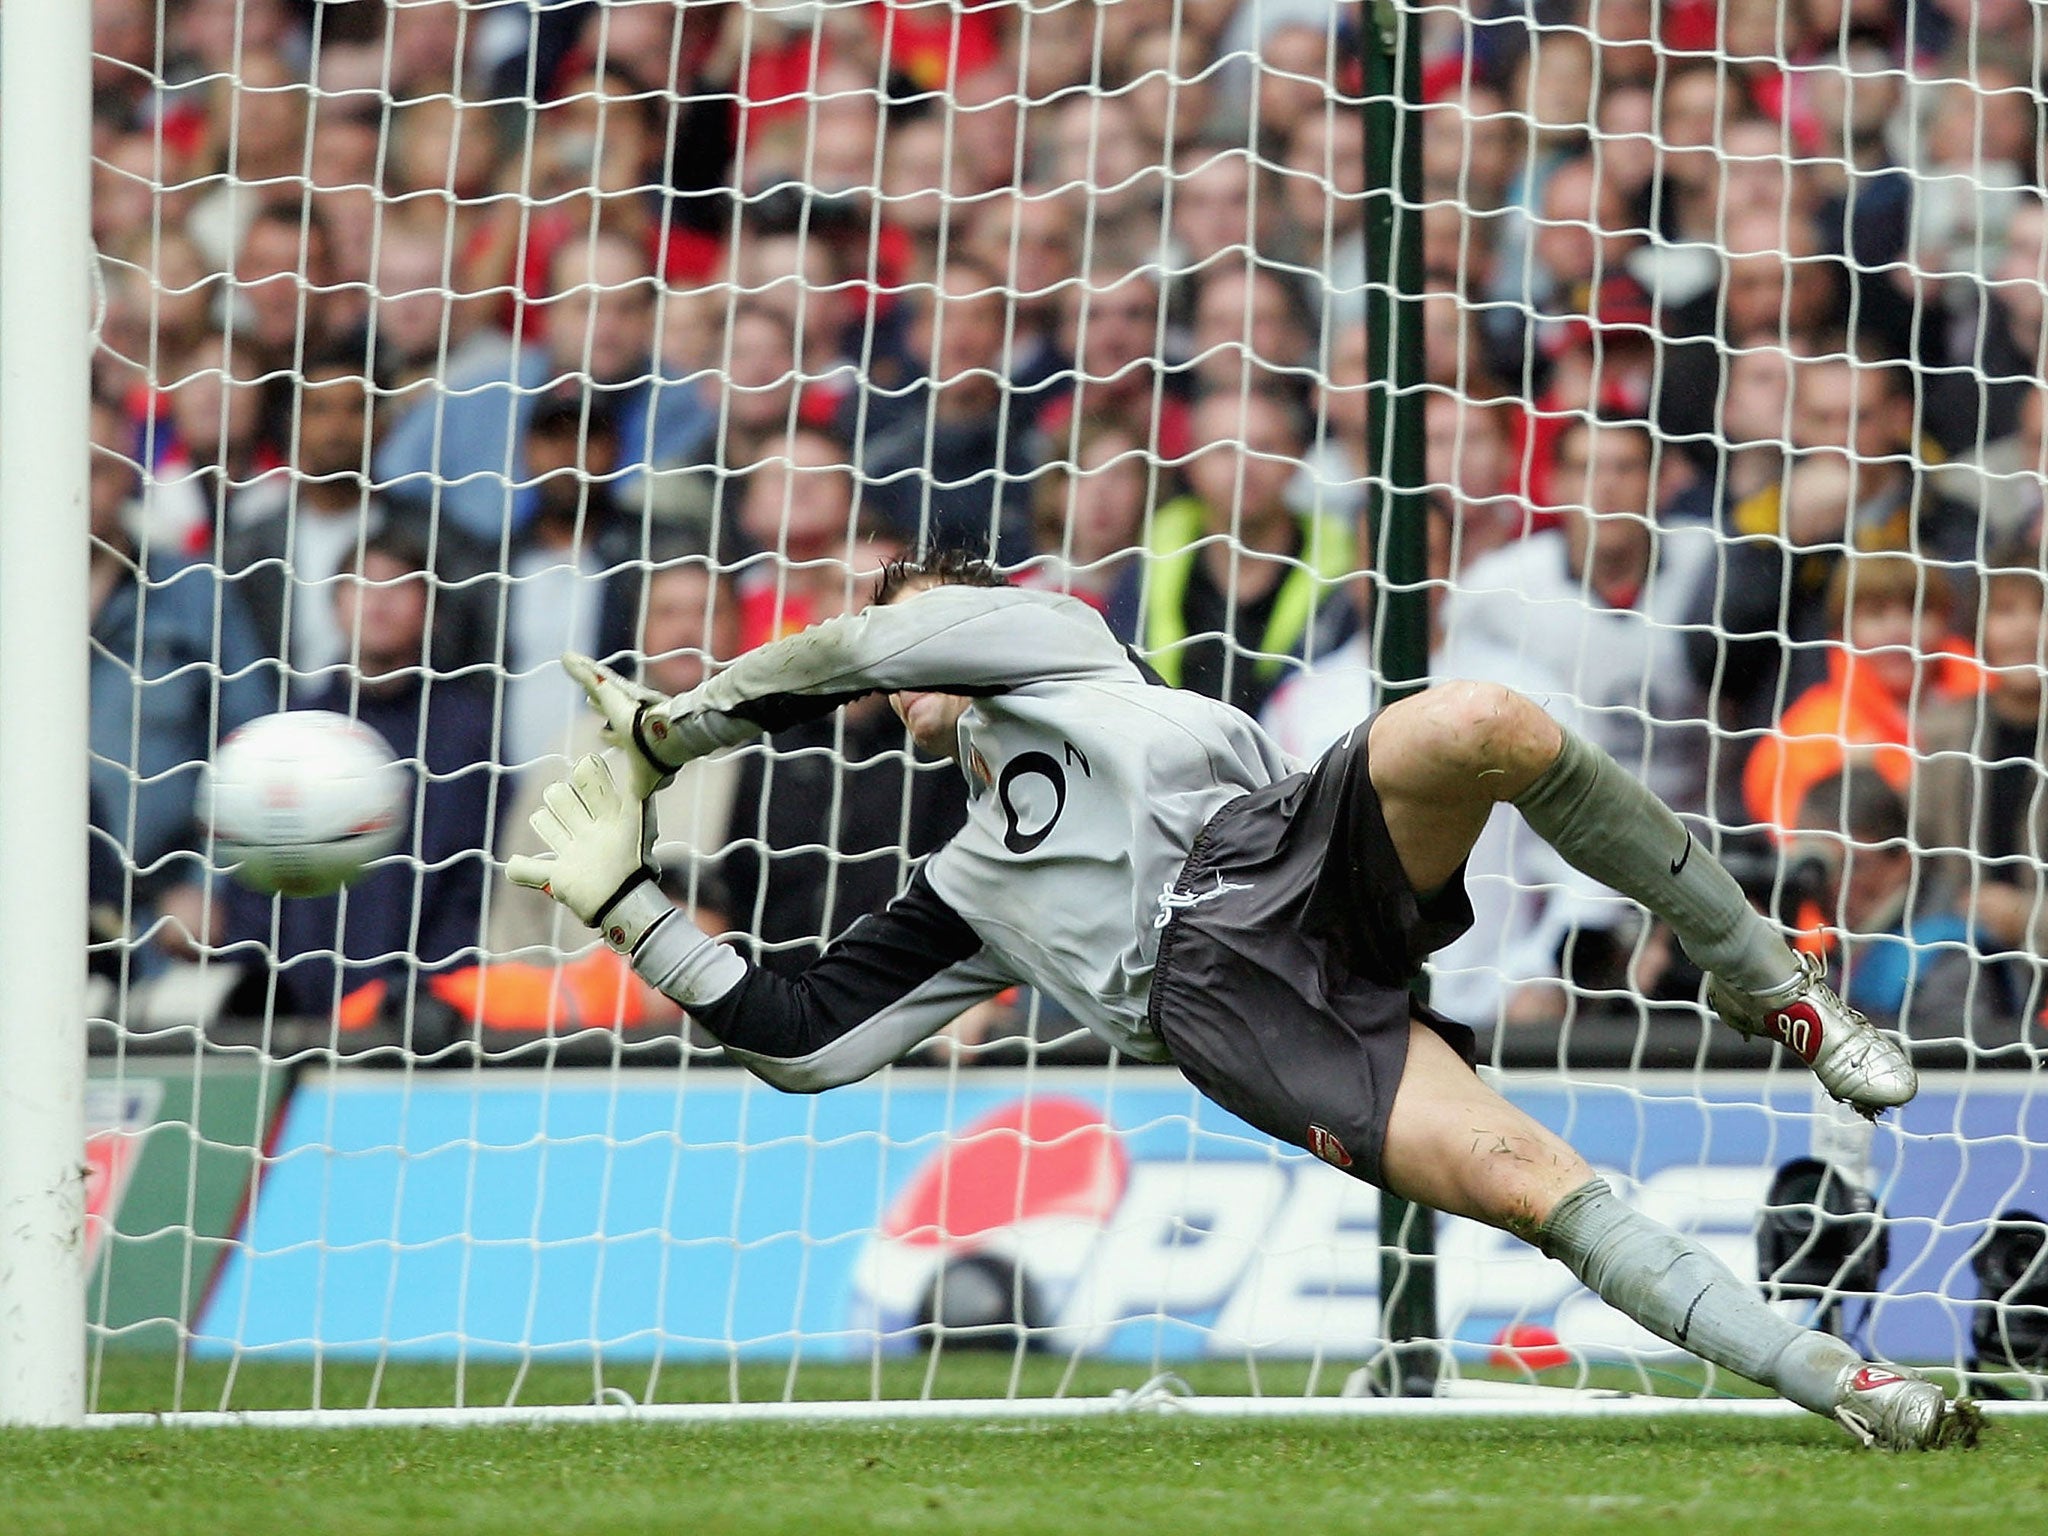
(1454, 1400)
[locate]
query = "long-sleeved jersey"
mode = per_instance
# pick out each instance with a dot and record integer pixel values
(1087, 784)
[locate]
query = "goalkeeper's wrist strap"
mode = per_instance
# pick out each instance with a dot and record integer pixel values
(650, 733)
(633, 911)
(683, 961)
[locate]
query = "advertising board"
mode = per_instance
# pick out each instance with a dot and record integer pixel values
(171, 1158)
(527, 1213)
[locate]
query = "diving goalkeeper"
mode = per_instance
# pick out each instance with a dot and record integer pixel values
(1149, 858)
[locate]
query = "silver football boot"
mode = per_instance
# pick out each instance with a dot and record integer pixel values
(1898, 1411)
(1854, 1062)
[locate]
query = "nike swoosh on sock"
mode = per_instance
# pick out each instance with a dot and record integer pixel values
(1685, 1327)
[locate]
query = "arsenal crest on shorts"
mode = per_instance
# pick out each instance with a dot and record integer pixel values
(1324, 1143)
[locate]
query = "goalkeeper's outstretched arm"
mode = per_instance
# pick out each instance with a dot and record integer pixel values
(945, 639)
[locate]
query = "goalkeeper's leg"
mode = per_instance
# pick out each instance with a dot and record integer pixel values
(1455, 1144)
(1441, 761)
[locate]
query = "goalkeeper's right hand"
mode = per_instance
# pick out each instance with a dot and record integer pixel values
(598, 868)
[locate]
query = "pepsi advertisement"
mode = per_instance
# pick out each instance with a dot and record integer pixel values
(706, 1214)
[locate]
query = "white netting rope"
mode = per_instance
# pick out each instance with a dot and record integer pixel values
(653, 329)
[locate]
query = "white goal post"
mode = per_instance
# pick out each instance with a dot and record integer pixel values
(434, 336)
(45, 324)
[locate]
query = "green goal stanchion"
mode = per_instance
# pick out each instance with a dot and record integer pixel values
(1397, 524)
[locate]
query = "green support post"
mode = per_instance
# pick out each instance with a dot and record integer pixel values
(1396, 513)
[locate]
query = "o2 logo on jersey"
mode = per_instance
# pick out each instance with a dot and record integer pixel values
(1035, 765)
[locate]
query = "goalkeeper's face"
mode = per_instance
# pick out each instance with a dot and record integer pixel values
(933, 720)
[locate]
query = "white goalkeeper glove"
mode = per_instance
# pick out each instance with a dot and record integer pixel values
(658, 733)
(625, 704)
(599, 868)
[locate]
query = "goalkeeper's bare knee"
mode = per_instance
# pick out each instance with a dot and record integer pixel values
(1465, 738)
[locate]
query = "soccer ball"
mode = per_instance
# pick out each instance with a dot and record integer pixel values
(300, 802)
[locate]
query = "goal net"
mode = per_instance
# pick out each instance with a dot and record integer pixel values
(439, 338)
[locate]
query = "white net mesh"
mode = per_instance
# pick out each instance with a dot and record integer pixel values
(442, 337)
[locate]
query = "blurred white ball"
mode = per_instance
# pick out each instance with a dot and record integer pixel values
(301, 802)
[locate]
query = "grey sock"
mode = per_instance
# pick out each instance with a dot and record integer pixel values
(1683, 1294)
(1608, 825)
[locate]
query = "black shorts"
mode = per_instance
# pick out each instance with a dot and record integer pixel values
(1282, 981)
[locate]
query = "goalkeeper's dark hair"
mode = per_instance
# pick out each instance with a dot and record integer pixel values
(941, 568)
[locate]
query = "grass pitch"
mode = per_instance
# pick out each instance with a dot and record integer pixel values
(1017, 1478)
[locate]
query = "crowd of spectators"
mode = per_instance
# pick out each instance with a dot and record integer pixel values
(440, 337)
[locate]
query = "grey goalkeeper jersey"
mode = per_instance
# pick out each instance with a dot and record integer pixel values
(1088, 782)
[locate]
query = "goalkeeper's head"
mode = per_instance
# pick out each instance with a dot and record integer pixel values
(941, 568)
(933, 719)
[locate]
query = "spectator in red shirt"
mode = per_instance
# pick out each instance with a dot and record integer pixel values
(597, 165)
(160, 298)
(798, 273)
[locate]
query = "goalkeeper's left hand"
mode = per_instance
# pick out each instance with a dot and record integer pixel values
(658, 733)
(625, 706)
(599, 868)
